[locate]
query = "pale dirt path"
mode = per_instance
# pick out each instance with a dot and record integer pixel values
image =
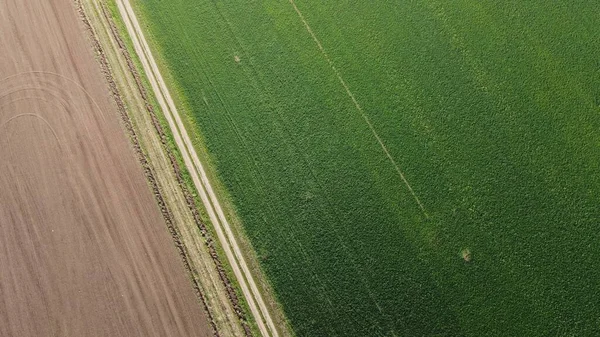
(215, 212)
(84, 250)
(174, 199)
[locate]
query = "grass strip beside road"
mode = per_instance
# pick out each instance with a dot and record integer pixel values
(244, 276)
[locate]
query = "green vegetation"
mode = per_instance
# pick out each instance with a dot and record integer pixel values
(490, 108)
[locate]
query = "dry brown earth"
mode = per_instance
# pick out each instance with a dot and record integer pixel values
(84, 250)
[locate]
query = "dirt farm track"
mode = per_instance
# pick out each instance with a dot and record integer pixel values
(84, 250)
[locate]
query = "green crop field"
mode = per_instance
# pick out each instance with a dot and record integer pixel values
(489, 109)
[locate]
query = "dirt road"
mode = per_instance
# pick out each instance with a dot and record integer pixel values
(253, 296)
(84, 250)
(194, 242)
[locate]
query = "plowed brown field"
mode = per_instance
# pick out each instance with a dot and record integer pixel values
(84, 250)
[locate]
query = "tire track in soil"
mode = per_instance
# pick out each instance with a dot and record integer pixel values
(359, 108)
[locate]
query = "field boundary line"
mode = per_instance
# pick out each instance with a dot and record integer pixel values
(207, 195)
(359, 108)
(179, 208)
(134, 140)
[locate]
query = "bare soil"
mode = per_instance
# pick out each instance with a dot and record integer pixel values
(84, 250)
